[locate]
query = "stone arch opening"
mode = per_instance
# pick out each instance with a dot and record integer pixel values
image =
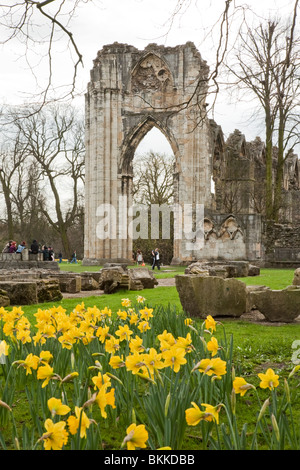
(130, 93)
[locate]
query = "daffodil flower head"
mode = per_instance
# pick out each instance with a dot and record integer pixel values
(136, 437)
(269, 380)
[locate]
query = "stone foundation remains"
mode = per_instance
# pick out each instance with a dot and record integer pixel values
(202, 294)
(114, 277)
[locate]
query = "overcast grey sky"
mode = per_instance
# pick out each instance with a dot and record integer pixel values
(135, 22)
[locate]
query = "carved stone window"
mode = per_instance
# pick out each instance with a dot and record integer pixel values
(151, 74)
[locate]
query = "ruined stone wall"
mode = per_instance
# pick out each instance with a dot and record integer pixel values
(130, 92)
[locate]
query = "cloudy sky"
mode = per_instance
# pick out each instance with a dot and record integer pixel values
(135, 22)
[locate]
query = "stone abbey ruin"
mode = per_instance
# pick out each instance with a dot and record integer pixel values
(130, 92)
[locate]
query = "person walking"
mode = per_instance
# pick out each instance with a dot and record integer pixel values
(74, 258)
(156, 259)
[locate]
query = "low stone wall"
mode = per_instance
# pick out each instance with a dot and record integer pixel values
(26, 260)
(31, 292)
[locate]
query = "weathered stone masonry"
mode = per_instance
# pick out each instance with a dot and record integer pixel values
(130, 92)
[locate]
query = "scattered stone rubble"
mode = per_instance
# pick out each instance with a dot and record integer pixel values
(114, 277)
(205, 294)
(224, 269)
(38, 285)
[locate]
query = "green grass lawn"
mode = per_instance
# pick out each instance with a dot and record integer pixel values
(253, 342)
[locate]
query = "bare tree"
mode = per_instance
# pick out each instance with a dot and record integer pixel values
(54, 139)
(153, 179)
(12, 156)
(43, 24)
(268, 66)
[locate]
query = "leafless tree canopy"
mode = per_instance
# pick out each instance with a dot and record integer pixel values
(40, 25)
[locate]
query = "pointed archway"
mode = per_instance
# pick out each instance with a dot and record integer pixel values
(131, 92)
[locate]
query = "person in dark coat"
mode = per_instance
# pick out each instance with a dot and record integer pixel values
(46, 255)
(34, 247)
(156, 260)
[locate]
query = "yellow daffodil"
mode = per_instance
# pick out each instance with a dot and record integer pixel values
(143, 326)
(4, 347)
(104, 399)
(167, 337)
(31, 362)
(46, 356)
(23, 335)
(126, 303)
(56, 407)
(214, 366)
(135, 363)
(136, 437)
(122, 314)
(269, 379)
(185, 343)
(146, 313)
(188, 321)
(140, 299)
(112, 345)
(136, 345)
(100, 380)
(9, 328)
(73, 422)
(241, 386)
(212, 412)
(124, 333)
(213, 346)
(56, 436)
(102, 333)
(45, 373)
(210, 323)
(153, 360)
(106, 312)
(174, 358)
(116, 362)
(133, 318)
(194, 415)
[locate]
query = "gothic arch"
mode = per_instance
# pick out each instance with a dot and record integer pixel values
(130, 92)
(136, 135)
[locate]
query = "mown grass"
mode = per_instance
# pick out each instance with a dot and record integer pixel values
(253, 343)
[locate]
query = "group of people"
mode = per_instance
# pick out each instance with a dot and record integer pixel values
(155, 258)
(48, 252)
(13, 247)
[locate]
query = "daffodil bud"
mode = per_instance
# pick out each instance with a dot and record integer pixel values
(233, 401)
(167, 404)
(287, 391)
(295, 369)
(72, 360)
(275, 427)
(5, 405)
(263, 409)
(17, 444)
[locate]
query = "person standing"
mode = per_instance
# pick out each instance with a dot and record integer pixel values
(139, 257)
(156, 259)
(60, 257)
